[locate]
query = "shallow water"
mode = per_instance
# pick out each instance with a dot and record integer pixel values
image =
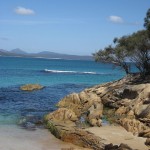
(60, 77)
(16, 104)
(14, 138)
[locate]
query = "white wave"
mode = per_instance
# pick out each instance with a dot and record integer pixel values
(90, 72)
(64, 71)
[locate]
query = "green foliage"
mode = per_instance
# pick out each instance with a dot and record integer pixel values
(116, 55)
(147, 20)
(139, 50)
(53, 129)
(134, 47)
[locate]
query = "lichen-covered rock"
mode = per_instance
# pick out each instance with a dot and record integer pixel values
(147, 142)
(145, 133)
(131, 114)
(145, 92)
(79, 103)
(95, 114)
(126, 101)
(120, 111)
(146, 121)
(129, 102)
(116, 147)
(72, 102)
(145, 113)
(133, 125)
(62, 116)
(76, 136)
(84, 103)
(31, 87)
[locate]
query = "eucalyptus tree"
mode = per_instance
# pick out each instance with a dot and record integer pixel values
(138, 46)
(147, 20)
(116, 55)
(134, 47)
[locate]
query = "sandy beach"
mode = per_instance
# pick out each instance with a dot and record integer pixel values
(14, 138)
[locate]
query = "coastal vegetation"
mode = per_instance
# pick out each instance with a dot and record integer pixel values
(133, 48)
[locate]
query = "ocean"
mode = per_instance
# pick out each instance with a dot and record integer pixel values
(20, 110)
(60, 77)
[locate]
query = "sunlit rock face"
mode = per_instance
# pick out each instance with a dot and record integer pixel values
(125, 102)
(31, 87)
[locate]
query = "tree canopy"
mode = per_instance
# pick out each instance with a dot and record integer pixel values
(147, 20)
(134, 47)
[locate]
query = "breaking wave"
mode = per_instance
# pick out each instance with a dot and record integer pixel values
(68, 72)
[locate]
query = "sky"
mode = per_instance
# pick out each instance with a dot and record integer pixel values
(79, 27)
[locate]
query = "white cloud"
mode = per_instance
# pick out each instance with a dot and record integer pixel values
(116, 19)
(24, 11)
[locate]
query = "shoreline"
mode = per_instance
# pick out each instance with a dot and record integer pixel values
(14, 138)
(47, 58)
(124, 102)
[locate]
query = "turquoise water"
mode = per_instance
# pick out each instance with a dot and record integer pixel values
(60, 77)
(17, 71)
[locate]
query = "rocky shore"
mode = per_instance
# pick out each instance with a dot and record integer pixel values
(123, 103)
(31, 87)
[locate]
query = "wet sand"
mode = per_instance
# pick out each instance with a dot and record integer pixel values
(14, 138)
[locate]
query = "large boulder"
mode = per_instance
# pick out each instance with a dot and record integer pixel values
(129, 102)
(79, 103)
(31, 87)
(72, 102)
(133, 125)
(147, 142)
(81, 137)
(75, 135)
(116, 147)
(145, 113)
(62, 116)
(86, 103)
(95, 114)
(124, 101)
(145, 133)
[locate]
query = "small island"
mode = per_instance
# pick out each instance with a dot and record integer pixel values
(31, 87)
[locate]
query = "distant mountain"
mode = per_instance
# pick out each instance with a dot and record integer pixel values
(44, 54)
(5, 53)
(18, 51)
(9, 53)
(47, 54)
(2, 50)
